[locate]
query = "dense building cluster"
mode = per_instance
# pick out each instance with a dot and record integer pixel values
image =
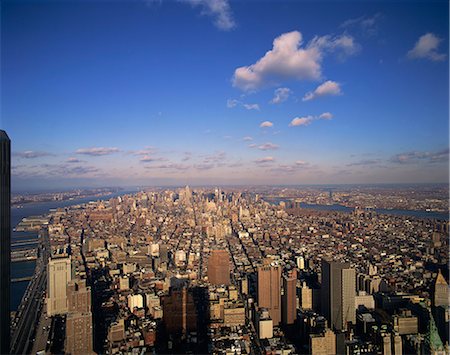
(228, 272)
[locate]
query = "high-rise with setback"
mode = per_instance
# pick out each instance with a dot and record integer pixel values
(59, 274)
(5, 240)
(289, 298)
(338, 294)
(269, 291)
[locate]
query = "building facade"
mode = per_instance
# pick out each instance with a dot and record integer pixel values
(219, 267)
(5, 240)
(338, 294)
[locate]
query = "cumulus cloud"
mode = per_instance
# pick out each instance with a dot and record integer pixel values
(31, 154)
(266, 124)
(307, 120)
(416, 156)
(280, 95)
(302, 121)
(268, 146)
(286, 60)
(97, 151)
(265, 160)
(326, 116)
(247, 138)
(251, 106)
(231, 103)
(219, 10)
(328, 88)
(290, 60)
(426, 47)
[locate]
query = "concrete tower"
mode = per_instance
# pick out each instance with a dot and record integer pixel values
(338, 294)
(5, 240)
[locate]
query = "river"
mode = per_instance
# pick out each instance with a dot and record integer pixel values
(26, 268)
(341, 208)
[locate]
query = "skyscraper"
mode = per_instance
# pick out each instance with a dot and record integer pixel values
(219, 267)
(179, 312)
(289, 298)
(59, 274)
(269, 291)
(441, 292)
(5, 240)
(79, 319)
(338, 294)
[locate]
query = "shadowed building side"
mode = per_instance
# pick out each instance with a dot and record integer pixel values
(5, 240)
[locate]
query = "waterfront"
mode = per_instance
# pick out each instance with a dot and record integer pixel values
(26, 268)
(341, 208)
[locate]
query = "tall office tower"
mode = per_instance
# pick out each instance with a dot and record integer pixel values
(59, 274)
(79, 338)
(269, 291)
(289, 298)
(219, 267)
(79, 333)
(5, 240)
(441, 293)
(179, 312)
(338, 294)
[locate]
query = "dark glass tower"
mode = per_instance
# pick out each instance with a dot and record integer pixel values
(5, 240)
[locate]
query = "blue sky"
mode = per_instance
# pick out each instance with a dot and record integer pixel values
(175, 92)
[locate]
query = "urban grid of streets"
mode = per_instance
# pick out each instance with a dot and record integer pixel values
(126, 236)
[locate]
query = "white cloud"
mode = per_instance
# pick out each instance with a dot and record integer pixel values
(301, 121)
(426, 48)
(328, 88)
(232, 103)
(266, 124)
(288, 60)
(265, 160)
(247, 138)
(268, 146)
(219, 10)
(301, 163)
(307, 120)
(31, 154)
(415, 156)
(150, 159)
(326, 116)
(280, 95)
(251, 106)
(97, 151)
(344, 44)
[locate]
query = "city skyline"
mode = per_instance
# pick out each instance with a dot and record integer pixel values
(197, 92)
